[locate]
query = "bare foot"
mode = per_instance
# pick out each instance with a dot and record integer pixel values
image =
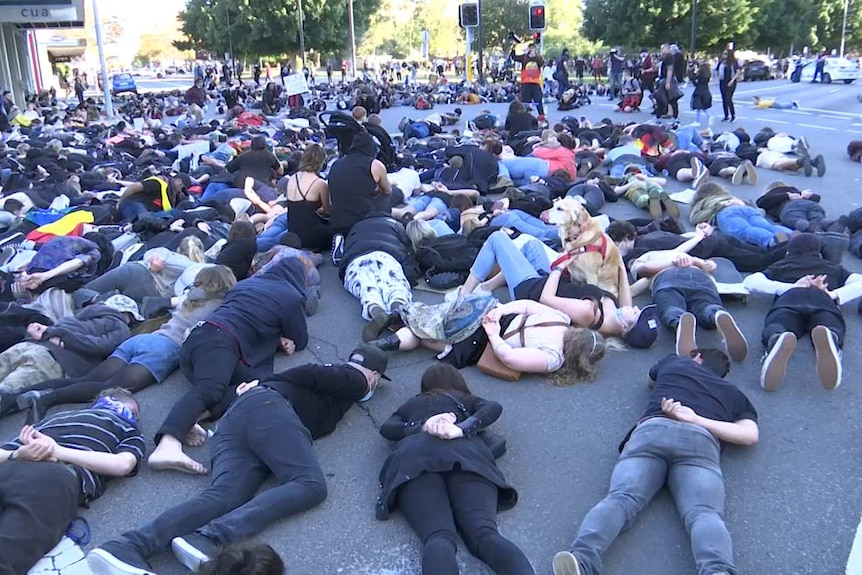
(175, 461)
(196, 437)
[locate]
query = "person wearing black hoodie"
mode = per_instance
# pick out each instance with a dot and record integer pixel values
(797, 209)
(259, 316)
(358, 185)
(379, 269)
(809, 292)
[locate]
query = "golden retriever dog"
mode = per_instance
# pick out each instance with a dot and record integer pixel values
(594, 258)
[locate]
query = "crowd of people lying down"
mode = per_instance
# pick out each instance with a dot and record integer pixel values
(128, 254)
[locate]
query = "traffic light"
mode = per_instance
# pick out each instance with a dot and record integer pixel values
(468, 15)
(537, 17)
(537, 38)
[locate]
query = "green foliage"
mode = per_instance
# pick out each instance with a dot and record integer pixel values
(269, 27)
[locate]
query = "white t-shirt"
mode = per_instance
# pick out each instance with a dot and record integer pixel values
(783, 144)
(407, 180)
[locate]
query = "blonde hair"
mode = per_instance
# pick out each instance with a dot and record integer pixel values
(359, 114)
(193, 248)
(470, 223)
(418, 231)
(212, 282)
(583, 349)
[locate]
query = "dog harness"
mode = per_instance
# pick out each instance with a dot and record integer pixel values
(600, 249)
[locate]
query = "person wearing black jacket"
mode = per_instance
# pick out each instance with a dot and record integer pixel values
(797, 209)
(267, 430)
(809, 291)
(519, 119)
(379, 269)
(677, 443)
(442, 474)
(259, 316)
(729, 73)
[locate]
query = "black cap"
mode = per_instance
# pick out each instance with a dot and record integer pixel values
(645, 331)
(371, 358)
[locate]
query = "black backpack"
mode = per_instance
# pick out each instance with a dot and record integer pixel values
(452, 253)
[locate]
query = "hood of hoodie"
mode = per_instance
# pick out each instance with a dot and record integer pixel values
(363, 144)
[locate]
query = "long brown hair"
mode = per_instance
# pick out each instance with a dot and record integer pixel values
(212, 282)
(443, 378)
(312, 159)
(582, 351)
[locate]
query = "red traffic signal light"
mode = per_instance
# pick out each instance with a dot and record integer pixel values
(537, 17)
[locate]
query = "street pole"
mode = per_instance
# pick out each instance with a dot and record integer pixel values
(844, 26)
(106, 90)
(352, 37)
(480, 61)
(468, 55)
(301, 31)
(693, 27)
(230, 38)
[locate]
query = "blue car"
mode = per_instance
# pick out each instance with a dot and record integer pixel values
(123, 83)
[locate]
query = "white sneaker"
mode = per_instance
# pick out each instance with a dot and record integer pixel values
(775, 363)
(828, 357)
(566, 564)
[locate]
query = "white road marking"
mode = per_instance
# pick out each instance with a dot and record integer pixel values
(817, 127)
(767, 90)
(835, 90)
(833, 117)
(771, 121)
(798, 112)
(854, 562)
(853, 131)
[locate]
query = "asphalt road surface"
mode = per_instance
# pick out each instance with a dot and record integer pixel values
(793, 501)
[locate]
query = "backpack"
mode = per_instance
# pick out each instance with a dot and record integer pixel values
(452, 253)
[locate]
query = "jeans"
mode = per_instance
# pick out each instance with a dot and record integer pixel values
(423, 203)
(802, 215)
(436, 505)
(616, 79)
(746, 224)
(213, 188)
(688, 138)
(260, 435)
(799, 310)
(517, 265)
(677, 290)
(521, 169)
(526, 224)
(686, 458)
(270, 237)
(593, 196)
(746, 257)
(130, 279)
(208, 359)
(440, 228)
(39, 500)
(130, 210)
(727, 98)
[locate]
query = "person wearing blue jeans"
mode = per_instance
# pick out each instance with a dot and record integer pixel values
(526, 224)
(269, 238)
(676, 443)
(748, 225)
(516, 265)
(521, 169)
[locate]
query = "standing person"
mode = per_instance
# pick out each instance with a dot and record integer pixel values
(669, 94)
(597, 69)
(580, 66)
(443, 478)
(561, 74)
(256, 72)
(677, 443)
(259, 316)
(649, 72)
(701, 98)
(531, 77)
(358, 186)
(616, 63)
(329, 72)
(79, 90)
(267, 430)
(729, 72)
(285, 71)
(818, 68)
(61, 463)
(268, 70)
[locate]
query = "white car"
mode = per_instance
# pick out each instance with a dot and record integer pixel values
(834, 70)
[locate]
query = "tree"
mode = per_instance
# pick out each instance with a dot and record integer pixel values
(268, 27)
(635, 23)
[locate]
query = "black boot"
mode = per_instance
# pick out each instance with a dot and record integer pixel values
(388, 342)
(380, 320)
(8, 404)
(833, 245)
(38, 403)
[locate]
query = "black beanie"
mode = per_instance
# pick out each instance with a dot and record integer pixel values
(803, 245)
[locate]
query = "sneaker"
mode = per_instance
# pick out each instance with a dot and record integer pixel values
(312, 301)
(380, 320)
(828, 357)
(655, 205)
(795, 104)
(738, 174)
(734, 341)
(820, 165)
(750, 172)
(194, 550)
(775, 363)
(118, 558)
(566, 564)
(6, 254)
(337, 249)
(802, 148)
(805, 162)
(702, 174)
(685, 335)
(669, 205)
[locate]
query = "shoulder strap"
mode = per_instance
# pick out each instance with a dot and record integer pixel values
(521, 329)
(299, 188)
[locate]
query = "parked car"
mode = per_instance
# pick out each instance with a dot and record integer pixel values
(834, 69)
(123, 83)
(757, 70)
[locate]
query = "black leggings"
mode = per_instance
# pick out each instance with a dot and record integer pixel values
(727, 98)
(436, 505)
(113, 372)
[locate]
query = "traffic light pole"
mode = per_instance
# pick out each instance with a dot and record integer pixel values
(480, 61)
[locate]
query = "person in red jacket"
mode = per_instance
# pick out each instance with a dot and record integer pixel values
(531, 77)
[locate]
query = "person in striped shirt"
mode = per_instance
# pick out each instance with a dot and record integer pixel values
(60, 463)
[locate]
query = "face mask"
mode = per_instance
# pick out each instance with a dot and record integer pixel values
(368, 396)
(116, 407)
